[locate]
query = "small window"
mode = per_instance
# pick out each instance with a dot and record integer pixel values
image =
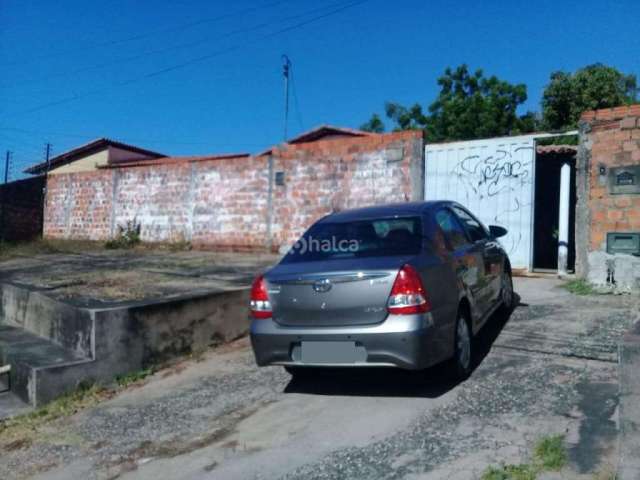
(280, 178)
(474, 227)
(453, 230)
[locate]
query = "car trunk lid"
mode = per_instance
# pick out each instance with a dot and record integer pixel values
(334, 292)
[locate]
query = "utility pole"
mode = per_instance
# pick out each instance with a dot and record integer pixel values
(286, 66)
(7, 162)
(47, 155)
(47, 158)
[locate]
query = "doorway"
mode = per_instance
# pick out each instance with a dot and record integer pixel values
(549, 161)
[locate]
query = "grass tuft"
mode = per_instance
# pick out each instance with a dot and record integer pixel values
(579, 287)
(128, 236)
(510, 472)
(124, 381)
(19, 430)
(549, 454)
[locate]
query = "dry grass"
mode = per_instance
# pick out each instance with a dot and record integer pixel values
(20, 432)
(112, 285)
(46, 247)
(9, 250)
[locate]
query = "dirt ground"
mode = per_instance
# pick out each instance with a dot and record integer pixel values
(549, 368)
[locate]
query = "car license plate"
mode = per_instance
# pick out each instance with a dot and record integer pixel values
(329, 352)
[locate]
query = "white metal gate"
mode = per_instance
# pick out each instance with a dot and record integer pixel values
(494, 178)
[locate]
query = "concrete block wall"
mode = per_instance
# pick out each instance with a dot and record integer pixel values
(338, 174)
(219, 202)
(78, 205)
(21, 203)
(224, 202)
(609, 138)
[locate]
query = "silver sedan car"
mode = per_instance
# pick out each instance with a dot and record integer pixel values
(405, 285)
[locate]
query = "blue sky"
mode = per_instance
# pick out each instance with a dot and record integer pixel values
(76, 70)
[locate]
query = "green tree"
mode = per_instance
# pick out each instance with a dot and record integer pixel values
(594, 86)
(468, 106)
(374, 124)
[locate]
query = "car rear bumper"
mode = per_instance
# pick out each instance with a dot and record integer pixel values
(402, 341)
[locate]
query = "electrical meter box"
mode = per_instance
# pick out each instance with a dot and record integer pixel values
(624, 180)
(628, 243)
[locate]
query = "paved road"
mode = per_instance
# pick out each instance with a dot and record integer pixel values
(549, 368)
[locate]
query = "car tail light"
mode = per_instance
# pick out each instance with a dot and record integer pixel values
(260, 305)
(407, 294)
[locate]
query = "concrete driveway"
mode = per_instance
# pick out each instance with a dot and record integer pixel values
(550, 368)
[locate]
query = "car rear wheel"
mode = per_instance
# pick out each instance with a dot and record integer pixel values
(463, 347)
(506, 292)
(298, 372)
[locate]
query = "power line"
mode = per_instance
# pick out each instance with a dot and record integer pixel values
(152, 33)
(22, 147)
(27, 146)
(126, 138)
(193, 61)
(259, 39)
(164, 50)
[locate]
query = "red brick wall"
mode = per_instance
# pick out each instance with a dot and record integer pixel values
(224, 202)
(230, 207)
(78, 206)
(609, 138)
(338, 174)
(615, 142)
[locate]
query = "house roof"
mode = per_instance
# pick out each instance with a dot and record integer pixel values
(143, 162)
(319, 133)
(557, 149)
(325, 131)
(87, 149)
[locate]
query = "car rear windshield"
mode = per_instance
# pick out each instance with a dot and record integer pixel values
(362, 238)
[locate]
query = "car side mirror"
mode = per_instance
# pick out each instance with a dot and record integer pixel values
(497, 231)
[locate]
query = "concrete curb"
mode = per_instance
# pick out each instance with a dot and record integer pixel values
(629, 372)
(117, 340)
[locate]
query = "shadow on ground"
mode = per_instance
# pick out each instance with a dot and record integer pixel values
(390, 382)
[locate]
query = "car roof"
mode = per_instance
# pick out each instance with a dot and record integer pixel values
(383, 211)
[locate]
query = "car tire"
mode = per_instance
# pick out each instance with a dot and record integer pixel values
(462, 361)
(297, 372)
(507, 295)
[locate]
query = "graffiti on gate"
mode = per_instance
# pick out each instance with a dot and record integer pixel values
(493, 174)
(499, 173)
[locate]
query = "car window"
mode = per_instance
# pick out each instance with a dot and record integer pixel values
(452, 228)
(474, 227)
(364, 238)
